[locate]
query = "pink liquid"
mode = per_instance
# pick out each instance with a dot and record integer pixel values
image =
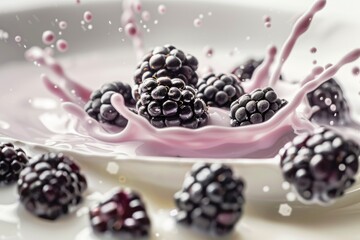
(217, 139)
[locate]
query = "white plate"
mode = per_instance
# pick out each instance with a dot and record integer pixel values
(231, 24)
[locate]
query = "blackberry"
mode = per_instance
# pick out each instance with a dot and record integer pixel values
(167, 61)
(100, 108)
(51, 185)
(245, 71)
(320, 165)
(12, 161)
(122, 213)
(220, 90)
(333, 107)
(257, 107)
(167, 102)
(211, 199)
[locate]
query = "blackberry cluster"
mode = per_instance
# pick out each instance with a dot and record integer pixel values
(211, 199)
(245, 71)
(333, 107)
(167, 102)
(122, 213)
(321, 165)
(51, 185)
(167, 61)
(257, 107)
(220, 90)
(100, 108)
(12, 161)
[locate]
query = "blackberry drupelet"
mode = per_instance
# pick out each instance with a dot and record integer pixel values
(100, 108)
(333, 107)
(167, 102)
(220, 90)
(167, 61)
(12, 161)
(320, 165)
(211, 199)
(122, 213)
(51, 185)
(257, 107)
(245, 71)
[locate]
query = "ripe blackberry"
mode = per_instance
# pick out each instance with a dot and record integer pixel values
(99, 106)
(220, 90)
(321, 165)
(51, 185)
(167, 61)
(167, 102)
(122, 213)
(334, 108)
(245, 71)
(211, 198)
(12, 161)
(257, 107)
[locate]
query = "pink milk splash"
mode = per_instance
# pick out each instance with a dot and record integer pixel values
(217, 139)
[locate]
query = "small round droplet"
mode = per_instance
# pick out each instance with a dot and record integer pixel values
(90, 27)
(162, 9)
(88, 16)
(314, 62)
(145, 15)
(131, 29)
(355, 71)
(197, 22)
(48, 37)
(267, 21)
(62, 25)
(208, 51)
(313, 50)
(62, 45)
(120, 29)
(17, 39)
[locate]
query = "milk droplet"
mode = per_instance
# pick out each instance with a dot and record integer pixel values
(4, 125)
(90, 27)
(162, 9)
(156, 22)
(201, 16)
(355, 71)
(209, 13)
(48, 37)
(313, 50)
(333, 107)
(328, 101)
(88, 16)
(62, 25)
(17, 39)
(120, 29)
(266, 188)
(285, 185)
(314, 62)
(62, 45)
(285, 210)
(197, 22)
(145, 15)
(112, 168)
(130, 29)
(291, 197)
(208, 51)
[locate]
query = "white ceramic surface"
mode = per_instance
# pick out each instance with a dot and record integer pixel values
(232, 24)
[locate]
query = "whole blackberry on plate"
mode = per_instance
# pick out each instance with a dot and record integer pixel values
(168, 102)
(320, 165)
(211, 198)
(245, 71)
(167, 61)
(12, 161)
(256, 107)
(100, 108)
(220, 90)
(333, 107)
(123, 212)
(51, 185)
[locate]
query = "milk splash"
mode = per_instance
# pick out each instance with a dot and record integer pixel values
(218, 140)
